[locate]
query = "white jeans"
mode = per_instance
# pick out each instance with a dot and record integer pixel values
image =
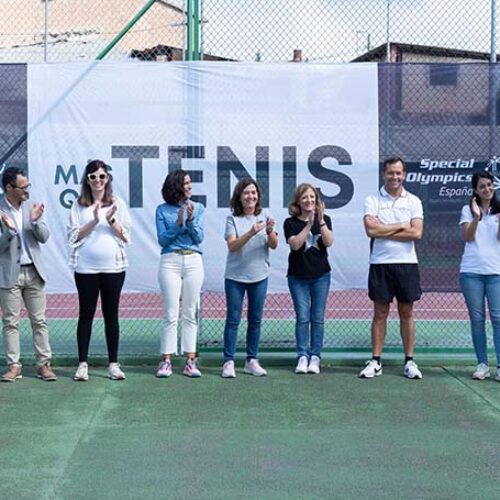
(180, 278)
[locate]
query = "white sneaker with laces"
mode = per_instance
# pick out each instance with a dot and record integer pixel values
(497, 376)
(82, 372)
(191, 369)
(411, 370)
(301, 365)
(252, 367)
(115, 373)
(314, 365)
(228, 370)
(482, 372)
(164, 369)
(372, 369)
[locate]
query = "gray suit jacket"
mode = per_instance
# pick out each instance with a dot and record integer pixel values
(10, 245)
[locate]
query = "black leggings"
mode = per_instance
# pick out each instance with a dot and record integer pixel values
(109, 285)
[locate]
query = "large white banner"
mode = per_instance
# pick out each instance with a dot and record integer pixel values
(282, 124)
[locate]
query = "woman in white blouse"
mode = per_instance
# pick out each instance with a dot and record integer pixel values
(98, 232)
(480, 268)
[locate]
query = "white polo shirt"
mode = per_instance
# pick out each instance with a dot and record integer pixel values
(391, 210)
(482, 254)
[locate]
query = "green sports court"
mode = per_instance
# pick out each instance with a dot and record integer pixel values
(280, 436)
(285, 91)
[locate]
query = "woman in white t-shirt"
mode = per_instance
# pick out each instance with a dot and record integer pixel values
(480, 268)
(249, 235)
(98, 232)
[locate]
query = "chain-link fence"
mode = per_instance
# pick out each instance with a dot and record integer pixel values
(427, 113)
(254, 30)
(444, 131)
(72, 30)
(340, 30)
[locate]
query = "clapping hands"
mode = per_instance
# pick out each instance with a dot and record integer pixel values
(476, 211)
(110, 214)
(37, 211)
(270, 224)
(7, 221)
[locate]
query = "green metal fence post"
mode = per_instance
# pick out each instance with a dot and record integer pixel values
(125, 30)
(196, 33)
(189, 45)
(193, 30)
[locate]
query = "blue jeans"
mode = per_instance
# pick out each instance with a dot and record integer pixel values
(476, 288)
(309, 300)
(235, 293)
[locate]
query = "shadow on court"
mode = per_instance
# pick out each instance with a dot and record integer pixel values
(282, 436)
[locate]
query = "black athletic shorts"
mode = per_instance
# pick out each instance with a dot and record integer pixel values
(386, 281)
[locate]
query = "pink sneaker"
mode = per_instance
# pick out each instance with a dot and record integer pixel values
(164, 369)
(191, 370)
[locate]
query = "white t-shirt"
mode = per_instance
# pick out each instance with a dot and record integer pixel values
(482, 254)
(391, 210)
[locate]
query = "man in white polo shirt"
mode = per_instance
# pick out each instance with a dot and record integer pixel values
(394, 221)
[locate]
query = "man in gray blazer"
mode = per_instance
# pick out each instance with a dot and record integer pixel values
(22, 277)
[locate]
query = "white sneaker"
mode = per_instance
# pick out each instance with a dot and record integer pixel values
(82, 372)
(314, 365)
(164, 369)
(497, 376)
(191, 369)
(115, 372)
(411, 370)
(252, 367)
(372, 369)
(301, 365)
(482, 372)
(228, 370)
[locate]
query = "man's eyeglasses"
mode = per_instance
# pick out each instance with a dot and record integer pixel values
(93, 177)
(23, 188)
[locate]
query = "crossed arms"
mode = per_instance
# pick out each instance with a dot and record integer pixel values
(399, 231)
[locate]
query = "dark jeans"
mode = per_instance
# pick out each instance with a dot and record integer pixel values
(235, 293)
(89, 286)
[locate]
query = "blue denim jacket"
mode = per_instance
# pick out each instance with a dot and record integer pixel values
(173, 237)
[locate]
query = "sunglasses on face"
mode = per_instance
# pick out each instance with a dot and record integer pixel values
(93, 177)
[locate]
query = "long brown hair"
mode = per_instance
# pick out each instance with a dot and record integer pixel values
(86, 199)
(494, 203)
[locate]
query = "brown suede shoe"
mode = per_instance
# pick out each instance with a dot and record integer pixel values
(14, 372)
(45, 373)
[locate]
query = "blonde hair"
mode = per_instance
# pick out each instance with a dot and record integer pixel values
(294, 205)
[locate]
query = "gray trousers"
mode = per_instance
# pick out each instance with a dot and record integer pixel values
(31, 289)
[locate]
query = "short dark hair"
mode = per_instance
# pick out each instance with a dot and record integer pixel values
(235, 202)
(86, 199)
(391, 160)
(173, 186)
(494, 203)
(10, 176)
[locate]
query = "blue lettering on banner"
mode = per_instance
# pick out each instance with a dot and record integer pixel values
(228, 166)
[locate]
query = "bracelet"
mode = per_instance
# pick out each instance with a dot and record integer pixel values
(112, 221)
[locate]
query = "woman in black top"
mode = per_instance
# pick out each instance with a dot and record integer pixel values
(308, 232)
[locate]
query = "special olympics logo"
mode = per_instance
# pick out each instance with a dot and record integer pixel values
(493, 166)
